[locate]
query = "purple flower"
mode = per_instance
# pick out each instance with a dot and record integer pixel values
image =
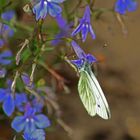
(30, 121)
(83, 58)
(9, 99)
(84, 26)
(5, 57)
(121, 6)
(44, 7)
(38, 134)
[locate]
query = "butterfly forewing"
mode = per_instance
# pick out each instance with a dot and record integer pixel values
(86, 93)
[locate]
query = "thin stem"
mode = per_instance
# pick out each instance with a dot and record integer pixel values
(14, 82)
(26, 42)
(32, 73)
(122, 24)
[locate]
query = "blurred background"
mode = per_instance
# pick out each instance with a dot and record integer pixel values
(118, 75)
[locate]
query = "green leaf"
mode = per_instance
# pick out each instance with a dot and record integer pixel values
(25, 55)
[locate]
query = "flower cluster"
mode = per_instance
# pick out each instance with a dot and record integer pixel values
(32, 120)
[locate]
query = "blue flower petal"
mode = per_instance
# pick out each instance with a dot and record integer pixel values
(90, 58)
(84, 32)
(4, 57)
(8, 15)
(26, 79)
(20, 99)
(79, 63)
(2, 94)
(29, 125)
(54, 9)
(120, 7)
(87, 14)
(40, 10)
(79, 52)
(61, 21)
(37, 105)
(92, 32)
(38, 134)
(41, 121)
(18, 123)
(77, 30)
(57, 1)
(131, 5)
(9, 105)
(1, 43)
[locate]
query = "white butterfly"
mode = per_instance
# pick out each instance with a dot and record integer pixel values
(92, 95)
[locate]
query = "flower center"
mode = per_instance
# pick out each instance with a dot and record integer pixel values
(30, 119)
(45, 2)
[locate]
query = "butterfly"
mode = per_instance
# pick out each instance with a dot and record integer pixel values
(92, 95)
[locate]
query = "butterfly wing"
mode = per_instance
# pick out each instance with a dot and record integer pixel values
(102, 108)
(86, 93)
(92, 95)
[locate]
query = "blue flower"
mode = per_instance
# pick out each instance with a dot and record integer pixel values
(37, 105)
(84, 26)
(1, 43)
(121, 6)
(5, 30)
(64, 30)
(26, 79)
(26, 103)
(38, 134)
(9, 99)
(20, 101)
(2, 72)
(83, 58)
(45, 7)
(30, 121)
(5, 57)
(33, 101)
(8, 15)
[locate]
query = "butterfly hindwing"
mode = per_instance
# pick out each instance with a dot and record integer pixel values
(86, 93)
